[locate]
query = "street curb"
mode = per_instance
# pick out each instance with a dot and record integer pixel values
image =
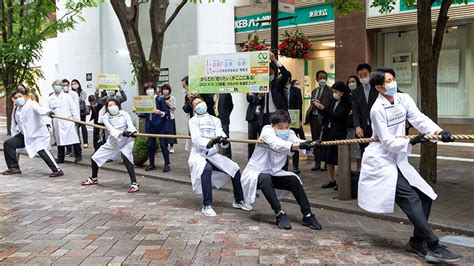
(435, 226)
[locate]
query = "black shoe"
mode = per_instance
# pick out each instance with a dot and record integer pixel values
(150, 168)
(311, 222)
(316, 168)
(68, 153)
(78, 159)
(336, 188)
(416, 246)
(441, 254)
(12, 171)
(296, 170)
(282, 221)
(329, 185)
(59, 161)
(58, 172)
(166, 168)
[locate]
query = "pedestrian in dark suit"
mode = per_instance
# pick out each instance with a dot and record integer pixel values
(223, 108)
(323, 94)
(362, 100)
(295, 101)
(335, 126)
(254, 111)
(98, 135)
(208, 99)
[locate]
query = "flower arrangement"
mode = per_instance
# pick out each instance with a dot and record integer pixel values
(295, 45)
(254, 44)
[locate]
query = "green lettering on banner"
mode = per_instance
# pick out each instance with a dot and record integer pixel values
(304, 16)
(404, 7)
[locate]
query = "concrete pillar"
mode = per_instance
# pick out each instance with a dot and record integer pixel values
(344, 172)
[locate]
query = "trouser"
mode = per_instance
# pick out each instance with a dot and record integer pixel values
(296, 156)
(128, 165)
(206, 184)
(316, 129)
(152, 148)
(83, 128)
(62, 151)
(267, 184)
(97, 138)
(253, 132)
(417, 206)
(18, 142)
(227, 152)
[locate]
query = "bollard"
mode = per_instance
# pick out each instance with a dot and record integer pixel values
(344, 172)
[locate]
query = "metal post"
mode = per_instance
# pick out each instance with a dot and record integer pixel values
(344, 172)
(274, 27)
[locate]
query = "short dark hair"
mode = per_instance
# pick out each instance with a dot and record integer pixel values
(166, 87)
(377, 78)
(91, 98)
(363, 66)
(195, 98)
(387, 70)
(280, 116)
(185, 80)
(65, 81)
(321, 72)
(112, 100)
(16, 91)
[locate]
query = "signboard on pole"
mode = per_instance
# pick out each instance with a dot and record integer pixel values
(295, 118)
(108, 82)
(246, 72)
(144, 104)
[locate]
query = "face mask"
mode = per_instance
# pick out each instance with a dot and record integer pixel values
(365, 81)
(271, 77)
(352, 85)
(336, 96)
(166, 92)
(201, 108)
(114, 110)
(75, 87)
(150, 92)
(282, 134)
(65, 89)
(58, 88)
(20, 102)
(322, 83)
(391, 88)
(185, 91)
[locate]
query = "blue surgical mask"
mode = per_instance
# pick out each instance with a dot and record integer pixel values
(391, 88)
(20, 102)
(283, 134)
(201, 108)
(58, 88)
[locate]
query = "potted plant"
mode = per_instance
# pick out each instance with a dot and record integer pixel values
(295, 45)
(254, 44)
(140, 152)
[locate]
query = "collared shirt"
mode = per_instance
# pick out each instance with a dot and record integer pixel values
(316, 97)
(367, 92)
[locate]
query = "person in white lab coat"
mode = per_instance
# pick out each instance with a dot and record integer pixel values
(264, 170)
(29, 131)
(62, 104)
(207, 166)
(75, 97)
(119, 144)
(387, 177)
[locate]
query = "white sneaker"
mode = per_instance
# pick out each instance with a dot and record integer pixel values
(242, 205)
(171, 150)
(208, 211)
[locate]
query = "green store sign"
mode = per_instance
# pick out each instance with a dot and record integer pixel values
(404, 7)
(304, 16)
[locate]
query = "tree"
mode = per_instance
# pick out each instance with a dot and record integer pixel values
(24, 26)
(429, 49)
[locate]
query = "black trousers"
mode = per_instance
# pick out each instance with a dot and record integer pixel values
(83, 129)
(152, 148)
(97, 139)
(267, 184)
(206, 184)
(75, 147)
(17, 142)
(316, 129)
(253, 133)
(417, 206)
(296, 156)
(227, 152)
(128, 165)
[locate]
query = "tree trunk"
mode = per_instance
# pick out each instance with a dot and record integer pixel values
(8, 84)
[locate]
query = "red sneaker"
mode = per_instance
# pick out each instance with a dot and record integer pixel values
(90, 181)
(134, 187)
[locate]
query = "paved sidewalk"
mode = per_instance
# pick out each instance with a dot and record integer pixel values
(57, 221)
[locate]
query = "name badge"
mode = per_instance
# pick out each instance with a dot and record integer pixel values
(395, 114)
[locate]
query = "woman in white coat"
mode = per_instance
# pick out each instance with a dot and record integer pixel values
(264, 170)
(119, 144)
(387, 177)
(62, 104)
(207, 166)
(29, 131)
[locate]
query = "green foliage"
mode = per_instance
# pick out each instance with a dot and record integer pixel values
(140, 146)
(345, 7)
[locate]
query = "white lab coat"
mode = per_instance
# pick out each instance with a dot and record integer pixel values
(268, 158)
(63, 104)
(33, 127)
(116, 144)
(75, 98)
(201, 126)
(379, 174)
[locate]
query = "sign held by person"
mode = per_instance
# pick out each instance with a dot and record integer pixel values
(144, 104)
(108, 82)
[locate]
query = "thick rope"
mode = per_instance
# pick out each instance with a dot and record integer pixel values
(255, 141)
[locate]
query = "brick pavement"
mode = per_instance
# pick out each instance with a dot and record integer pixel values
(57, 221)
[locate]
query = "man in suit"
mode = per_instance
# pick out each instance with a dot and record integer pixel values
(363, 97)
(187, 108)
(223, 108)
(254, 111)
(295, 102)
(323, 94)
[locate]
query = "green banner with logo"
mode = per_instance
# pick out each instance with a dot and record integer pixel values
(436, 4)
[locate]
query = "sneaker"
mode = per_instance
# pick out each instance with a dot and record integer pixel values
(166, 168)
(85, 146)
(59, 161)
(416, 246)
(311, 222)
(296, 170)
(150, 168)
(282, 221)
(330, 184)
(316, 168)
(134, 187)
(323, 169)
(208, 211)
(78, 159)
(12, 171)
(171, 150)
(242, 205)
(441, 254)
(57, 173)
(90, 181)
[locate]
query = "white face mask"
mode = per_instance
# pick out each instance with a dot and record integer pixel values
(185, 91)
(114, 110)
(336, 96)
(365, 81)
(150, 92)
(166, 92)
(322, 83)
(352, 85)
(75, 86)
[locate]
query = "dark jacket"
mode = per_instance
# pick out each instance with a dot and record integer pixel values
(337, 118)
(94, 112)
(208, 99)
(225, 107)
(103, 97)
(277, 89)
(155, 123)
(254, 101)
(324, 98)
(296, 100)
(361, 109)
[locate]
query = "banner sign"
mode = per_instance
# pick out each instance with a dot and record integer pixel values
(144, 104)
(108, 81)
(295, 118)
(246, 72)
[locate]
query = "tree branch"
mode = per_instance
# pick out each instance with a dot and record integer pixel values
(440, 28)
(22, 4)
(4, 29)
(173, 16)
(9, 18)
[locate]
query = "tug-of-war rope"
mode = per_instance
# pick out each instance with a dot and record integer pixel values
(255, 141)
